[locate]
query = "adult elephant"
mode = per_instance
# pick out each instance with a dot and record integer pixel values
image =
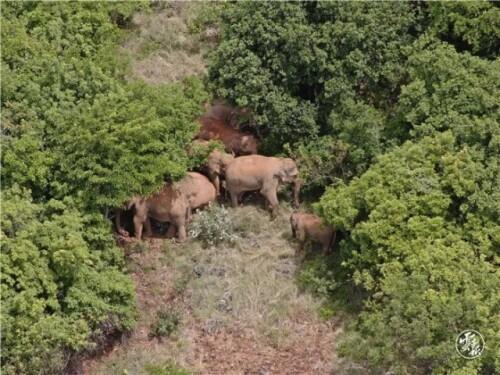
(262, 173)
(172, 204)
(198, 190)
(168, 205)
(220, 122)
(217, 163)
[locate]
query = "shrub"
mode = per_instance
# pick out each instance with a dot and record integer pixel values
(420, 225)
(59, 283)
(317, 276)
(78, 139)
(314, 69)
(143, 130)
(406, 245)
(320, 162)
(166, 323)
(213, 226)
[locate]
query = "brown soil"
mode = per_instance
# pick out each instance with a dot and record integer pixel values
(239, 351)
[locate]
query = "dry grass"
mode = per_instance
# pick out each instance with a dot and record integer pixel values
(251, 283)
(242, 311)
(162, 50)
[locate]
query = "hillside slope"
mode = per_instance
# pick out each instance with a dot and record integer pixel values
(240, 308)
(161, 47)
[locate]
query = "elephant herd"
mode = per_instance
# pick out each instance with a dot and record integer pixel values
(246, 172)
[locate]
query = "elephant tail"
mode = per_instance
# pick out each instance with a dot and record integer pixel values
(332, 240)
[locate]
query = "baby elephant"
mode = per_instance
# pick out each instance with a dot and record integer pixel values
(310, 226)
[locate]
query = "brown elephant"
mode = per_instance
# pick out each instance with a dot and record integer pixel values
(220, 123)
(198, 190)
(172, 204)
(308, 226)
(217, 163)
(262, 173)
(168, 205)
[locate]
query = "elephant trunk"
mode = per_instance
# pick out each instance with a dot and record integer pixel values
(296, 190)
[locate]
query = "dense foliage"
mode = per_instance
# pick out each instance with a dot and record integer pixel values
(77, 140)
(314, 69)
(390, 108)
(395, 106)
(423, 220)
(62, 280)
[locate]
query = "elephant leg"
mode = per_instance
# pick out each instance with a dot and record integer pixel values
(171, 231)
(118, 223)
(216, 182)
(240, 197)
(301, 237)
(272, 198)
(138, 225)
(148, 231)
(234, 198)
(181, 232)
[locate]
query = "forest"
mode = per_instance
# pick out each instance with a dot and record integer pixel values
(390, 110)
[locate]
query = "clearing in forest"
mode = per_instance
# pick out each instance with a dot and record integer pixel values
(229, 309)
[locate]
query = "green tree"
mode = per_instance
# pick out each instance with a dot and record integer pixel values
(59, 282)
(469, 25)
(421, 224)
(77, 139)
(315, 69)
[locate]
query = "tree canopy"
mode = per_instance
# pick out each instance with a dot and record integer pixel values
(77, 139)
(393, 109)
(390, 108)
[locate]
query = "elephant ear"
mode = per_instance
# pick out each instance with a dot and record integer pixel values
(281, 176)
(289, 168)
(244, 140)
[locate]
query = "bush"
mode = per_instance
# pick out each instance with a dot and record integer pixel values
(471, 25)
(166, 323)
(320, 163)
(420, 225)
(317, 276)
(406, 245)
(213, 226)
(59, 283)
(314, 69)
(143, 130)
(77, 140)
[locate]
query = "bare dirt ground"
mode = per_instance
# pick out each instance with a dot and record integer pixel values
(242, 312)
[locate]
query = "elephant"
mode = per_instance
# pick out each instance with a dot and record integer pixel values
(263, 173)
(217, 163)
(198, 190)
(220, 122)
(310, 226)
(168, 205)
(172, 204)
